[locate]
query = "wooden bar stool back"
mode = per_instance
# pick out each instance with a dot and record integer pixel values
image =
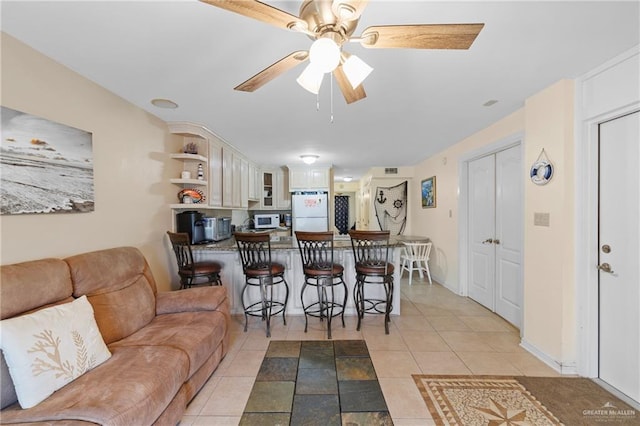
(262, 273)
(192, 273)
(371, 254)
(321, 272)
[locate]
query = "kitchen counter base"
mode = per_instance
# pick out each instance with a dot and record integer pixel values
(286, 252)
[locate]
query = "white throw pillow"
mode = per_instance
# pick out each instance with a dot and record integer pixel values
(49, 348)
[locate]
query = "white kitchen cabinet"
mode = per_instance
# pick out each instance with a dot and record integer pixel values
(283, 196)
(243, 179)
(266, 200)
(235, 184)
(227, 177)
(317, 178)
(254, 182)
(230, 180)
(275, 193)
(215, 174)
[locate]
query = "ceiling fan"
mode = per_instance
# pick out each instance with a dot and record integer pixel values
(331, 24)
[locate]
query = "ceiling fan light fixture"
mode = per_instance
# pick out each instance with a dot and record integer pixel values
(324, 54)
(311, 79)
(356, 70)
(309, 158)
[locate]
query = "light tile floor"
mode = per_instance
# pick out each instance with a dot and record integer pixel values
(437, 332)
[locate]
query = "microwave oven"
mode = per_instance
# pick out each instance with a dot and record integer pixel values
(263, 221)
(216, 228)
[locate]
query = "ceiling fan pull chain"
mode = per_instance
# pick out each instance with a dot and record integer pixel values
(331, 97)
(318, 101)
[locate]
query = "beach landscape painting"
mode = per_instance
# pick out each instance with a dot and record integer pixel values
(45, 167)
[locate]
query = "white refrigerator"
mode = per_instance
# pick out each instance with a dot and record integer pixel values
(310, 211)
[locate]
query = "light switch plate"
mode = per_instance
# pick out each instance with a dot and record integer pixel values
(540, 219)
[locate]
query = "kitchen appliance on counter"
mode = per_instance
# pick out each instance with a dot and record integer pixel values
(216, 228)
(264, 221)
(202, 229)
(191, 222)
(310, 211)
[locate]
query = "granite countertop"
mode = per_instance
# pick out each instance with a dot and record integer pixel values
(340, 242)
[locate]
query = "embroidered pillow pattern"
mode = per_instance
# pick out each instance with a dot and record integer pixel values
(49, 348)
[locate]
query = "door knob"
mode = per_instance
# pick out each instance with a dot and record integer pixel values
(496, 241)
(488, 241)
(605, 267)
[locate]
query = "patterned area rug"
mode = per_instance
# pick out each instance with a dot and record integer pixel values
(316, 383)
(503, 400)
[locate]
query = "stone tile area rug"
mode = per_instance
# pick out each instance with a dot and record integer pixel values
(316, 383)
(503, 400)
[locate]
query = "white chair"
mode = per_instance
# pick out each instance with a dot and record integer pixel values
(416, 257)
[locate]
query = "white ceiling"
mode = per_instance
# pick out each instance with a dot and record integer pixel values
(418, 101)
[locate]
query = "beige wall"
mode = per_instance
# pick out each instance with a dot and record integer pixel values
(130, 166)
(436, 222)
(549, 303)
(549, 284)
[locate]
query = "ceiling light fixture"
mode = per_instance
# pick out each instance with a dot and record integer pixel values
(347, 178)
(356, 70)
(324, 54)
(311, 79)
(164, 103)
(325, 57)
(309, 158)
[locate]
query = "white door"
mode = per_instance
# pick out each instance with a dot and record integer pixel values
(508, 239)
(482, 203)
(619, 252)
(495, 233)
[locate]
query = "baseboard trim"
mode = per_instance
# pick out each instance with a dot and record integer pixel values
(564, 368)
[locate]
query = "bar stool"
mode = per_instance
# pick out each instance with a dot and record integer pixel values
(261, 272)
(316, 253)
(188, 270)
(371, 254)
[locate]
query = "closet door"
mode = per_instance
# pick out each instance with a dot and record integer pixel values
(495, 233)
(482, 215)
(509, 234)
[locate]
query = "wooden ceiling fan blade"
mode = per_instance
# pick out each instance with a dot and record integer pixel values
(273, 71)
(348, 10)
(427, 36)
(350, 94)
(262, 12)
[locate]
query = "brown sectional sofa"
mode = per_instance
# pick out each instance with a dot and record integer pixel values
(164, 345)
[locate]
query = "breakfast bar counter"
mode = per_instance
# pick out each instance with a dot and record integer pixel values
(284, 250)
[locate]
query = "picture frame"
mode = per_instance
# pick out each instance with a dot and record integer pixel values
(428, 192)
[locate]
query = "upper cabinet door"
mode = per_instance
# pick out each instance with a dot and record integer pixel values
(303, 178)
(215, 174)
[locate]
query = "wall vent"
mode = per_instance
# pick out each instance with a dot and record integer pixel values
(391, 171)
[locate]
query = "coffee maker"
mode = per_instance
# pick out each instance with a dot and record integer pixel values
(191, 222)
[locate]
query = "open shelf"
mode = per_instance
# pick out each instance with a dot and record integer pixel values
(189, 157)
(179, 181)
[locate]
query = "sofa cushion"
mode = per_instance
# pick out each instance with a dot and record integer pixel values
(191, 300)
(25, 287)
(49, 348)
(30, 285)
(197, 334)
(132, 388)
(119, 285)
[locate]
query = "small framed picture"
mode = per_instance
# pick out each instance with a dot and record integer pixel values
(428, 192)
